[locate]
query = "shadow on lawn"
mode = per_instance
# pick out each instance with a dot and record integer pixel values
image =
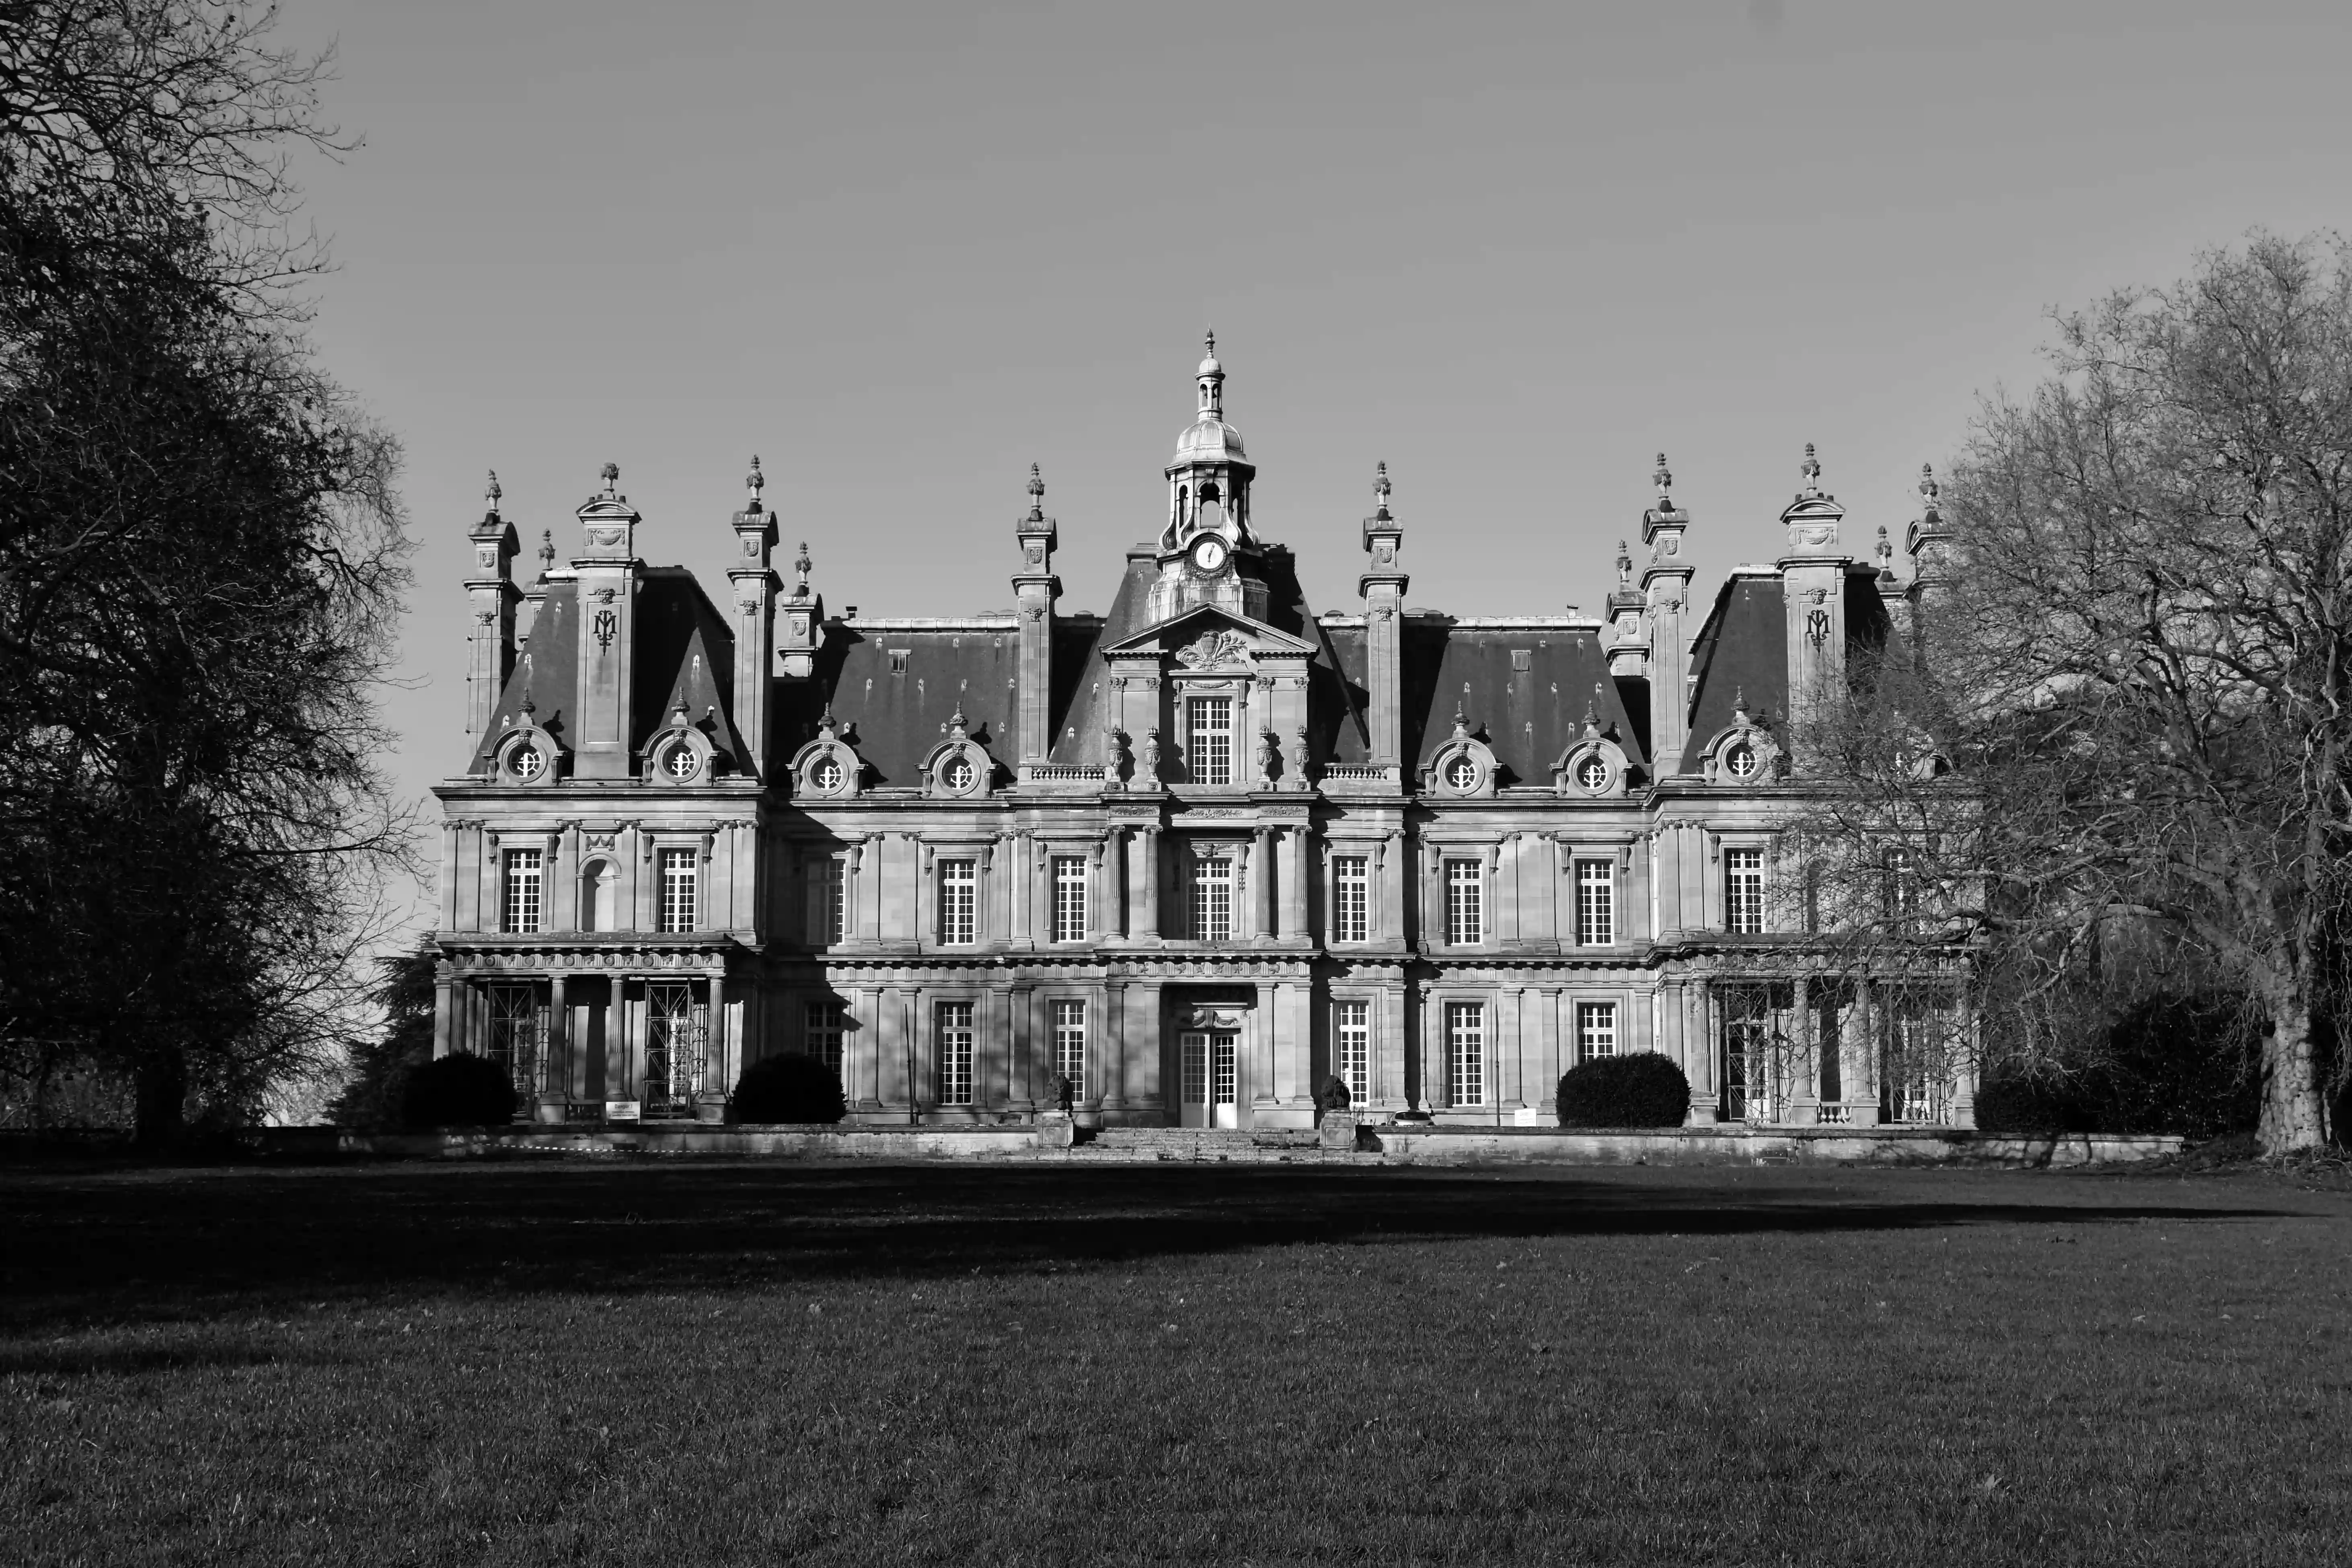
(156, 1243)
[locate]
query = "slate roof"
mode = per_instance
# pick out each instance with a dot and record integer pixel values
(1526, 716)
(1741, 654)
(684, 647)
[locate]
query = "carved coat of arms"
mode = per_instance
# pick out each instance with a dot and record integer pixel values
(1212, 648)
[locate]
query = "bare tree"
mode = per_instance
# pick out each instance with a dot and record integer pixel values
(2117, 735)
(201, 565)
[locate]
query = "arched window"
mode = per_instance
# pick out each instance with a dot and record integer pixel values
(600, 882)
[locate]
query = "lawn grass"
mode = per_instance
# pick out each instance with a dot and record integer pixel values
(702, 1362)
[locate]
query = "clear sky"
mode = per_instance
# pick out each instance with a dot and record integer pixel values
(901, 252)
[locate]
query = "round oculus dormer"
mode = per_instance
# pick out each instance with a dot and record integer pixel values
(680, 762)
(1740, 762)
(1592, 774)
(956, 775)
(1461, 774)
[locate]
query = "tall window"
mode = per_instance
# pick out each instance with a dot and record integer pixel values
(828, 912)
(1596, 903)
(955, 1053)
(1069, 898)
(1596, 1030)
(1352, 888)
(518, 1030)
(678, 878)
(1212, 901)
(1743, 889)
(599, 897)
(1070, 1044)
(827, 1023)
(958, 902)
(1465, 1053)
(1353, 1024)
(523, 890)
(1212, 724)
(1466, 913)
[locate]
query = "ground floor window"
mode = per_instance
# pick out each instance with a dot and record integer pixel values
(1756, 1051)
(1353, 1026)
(677, 1026)
(1916, 1069)
(1596, 1030)
(1070, 1044)
(827, 1022)
(1465, 1053)
(518, 1036)
(955, 1053)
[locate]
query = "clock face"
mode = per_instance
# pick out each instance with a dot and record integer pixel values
(1209, 554)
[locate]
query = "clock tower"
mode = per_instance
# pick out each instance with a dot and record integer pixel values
(1209, 554)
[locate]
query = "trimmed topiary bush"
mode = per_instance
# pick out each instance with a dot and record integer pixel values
(1644, 1090)
(460, 1091)
(788, 1088)
(1333, 1094)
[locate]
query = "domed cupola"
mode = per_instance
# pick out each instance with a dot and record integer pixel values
(1207, 549)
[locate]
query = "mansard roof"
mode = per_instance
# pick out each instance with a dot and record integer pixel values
(1740, 658)
(1150, 637)
(684, 651)
(893, 684)
(1523, 682)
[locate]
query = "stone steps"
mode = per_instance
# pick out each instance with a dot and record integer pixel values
(1229, 1145)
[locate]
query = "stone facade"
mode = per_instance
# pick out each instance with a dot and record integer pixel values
(1198, 855)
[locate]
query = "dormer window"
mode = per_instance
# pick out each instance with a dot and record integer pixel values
(680, 763)
(1592, 774)
(528, 763)
(826, 774)
(1462, 773)
(1740, 762)
(956, 775)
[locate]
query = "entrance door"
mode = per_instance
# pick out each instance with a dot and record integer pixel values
(1211, 1079)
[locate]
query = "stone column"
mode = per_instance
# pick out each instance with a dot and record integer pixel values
(1117, 1046)
(447, 997)
(556, 1070)
(1862, 1058)
(1022, 868)
(1805, 1086)
(1296, 852)
(1260, 1089)
(1147, 910)
(861, 1052)
(1390, 1088)
(1510, 1050)
(1261, 887)
(1027, 1073)
(1550, 1054)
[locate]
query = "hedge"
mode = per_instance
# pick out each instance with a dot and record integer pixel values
(789, 1089)
(460, 1091)
(1644, 1090)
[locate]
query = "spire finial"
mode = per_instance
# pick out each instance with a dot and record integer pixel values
(1665, 479)
(612, 475)
(546, 551)
(1209, 341)
(1036, 495)
(755, 481)
(1812, 469)
(1381, 491)
(491, 493)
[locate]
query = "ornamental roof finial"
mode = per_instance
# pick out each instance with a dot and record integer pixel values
(1592, 713)
(800, 563)
(546, 551)
(1812, 469)
(490, 497)
(1036, 495)
(1930, 489)
(1380, 492)
(1885, 551)
(755, 481)
(1665, 479)
(1625, 568)
(611, 476)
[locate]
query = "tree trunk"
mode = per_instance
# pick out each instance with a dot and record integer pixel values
(160, 1080)
(2291, 1109)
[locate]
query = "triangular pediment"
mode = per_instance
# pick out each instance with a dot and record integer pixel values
(1207, 635)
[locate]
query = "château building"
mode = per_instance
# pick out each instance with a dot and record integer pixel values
(1196, 854)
